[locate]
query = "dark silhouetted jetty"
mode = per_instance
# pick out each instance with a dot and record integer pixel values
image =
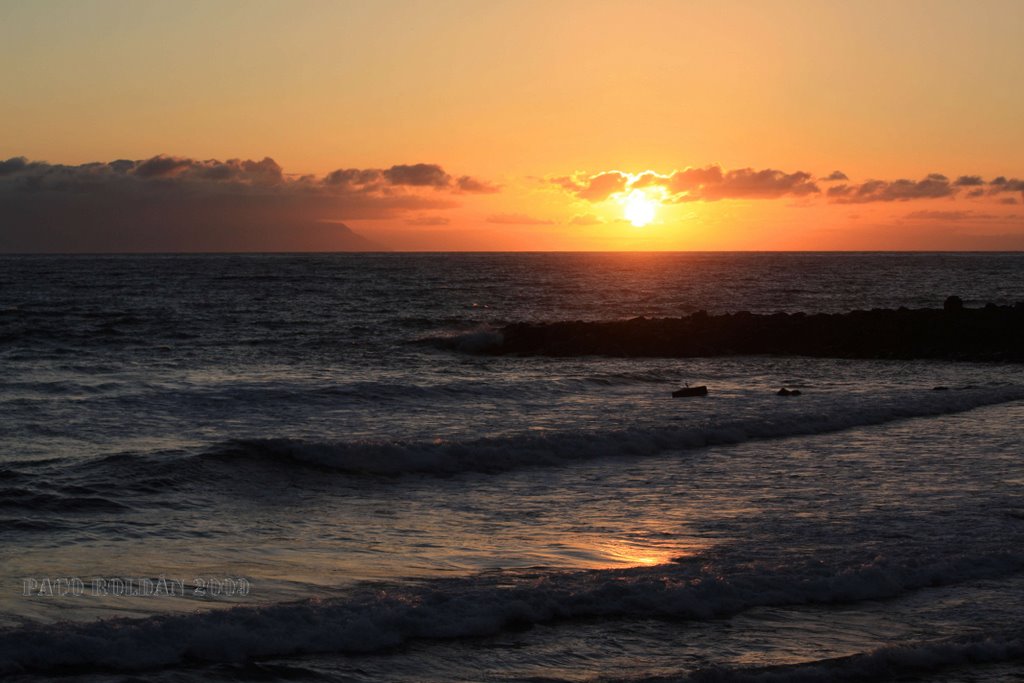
(991, 333)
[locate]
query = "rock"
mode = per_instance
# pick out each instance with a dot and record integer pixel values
(953, 304)
(940, 388)
(787, 392)
(950, 333)
(690, 391)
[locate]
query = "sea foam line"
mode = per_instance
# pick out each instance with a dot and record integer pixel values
(378, 617)
(498, 454)
(885, 663)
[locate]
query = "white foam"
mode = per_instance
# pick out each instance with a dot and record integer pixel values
(813, 416)
(378, 617)
(911, 659)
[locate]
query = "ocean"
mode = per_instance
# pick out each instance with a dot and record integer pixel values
(295, 467)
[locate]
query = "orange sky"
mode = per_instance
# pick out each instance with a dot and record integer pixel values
(534, 102)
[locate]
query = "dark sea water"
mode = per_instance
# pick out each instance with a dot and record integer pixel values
(275, 468)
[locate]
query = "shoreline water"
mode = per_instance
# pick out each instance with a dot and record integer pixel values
(281, 420)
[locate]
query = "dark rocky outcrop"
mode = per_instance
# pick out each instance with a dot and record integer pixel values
(992, 333)
(953, 304)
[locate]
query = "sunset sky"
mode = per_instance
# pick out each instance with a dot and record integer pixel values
(490, 125)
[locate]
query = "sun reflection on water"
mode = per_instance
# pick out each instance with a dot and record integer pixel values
(633, 554)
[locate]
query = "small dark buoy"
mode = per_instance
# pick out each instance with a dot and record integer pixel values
(787, 392)
(690, 391)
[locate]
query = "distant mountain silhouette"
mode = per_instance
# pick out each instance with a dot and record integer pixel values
(39, 227)
(353, 241)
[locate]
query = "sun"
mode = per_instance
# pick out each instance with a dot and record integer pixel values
(639, 209)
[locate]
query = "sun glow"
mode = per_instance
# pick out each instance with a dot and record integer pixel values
(639, 209)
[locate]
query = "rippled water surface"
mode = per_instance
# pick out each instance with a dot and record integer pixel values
(402, 512)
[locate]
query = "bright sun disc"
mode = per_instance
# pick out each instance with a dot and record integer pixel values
(639, 209)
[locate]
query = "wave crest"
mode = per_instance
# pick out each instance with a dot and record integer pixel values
(498, 454)
(378, 617)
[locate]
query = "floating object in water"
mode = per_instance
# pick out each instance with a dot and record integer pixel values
(788, 392)
(690, 391)
(940, 388)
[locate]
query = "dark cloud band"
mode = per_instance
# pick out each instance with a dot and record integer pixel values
(179, 204)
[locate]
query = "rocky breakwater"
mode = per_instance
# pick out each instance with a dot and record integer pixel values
(990, 333)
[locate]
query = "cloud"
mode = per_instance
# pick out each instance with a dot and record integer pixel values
(948, 216)
(13, 165)
(709, 183)
(516, 219)
(1004, 185)
(1008, 200)
(161, 166)
(585, 219)
(409, 175)
(180, 204)
(713, 183)
(746, 183)
(1001, 185)
(603, 185)
(932, 186)
(595, 188)
(428, 220)
(418, 175)
(474, 186)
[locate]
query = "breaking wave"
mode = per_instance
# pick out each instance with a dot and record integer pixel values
(497, 454)
(893, 662)
(375, 617)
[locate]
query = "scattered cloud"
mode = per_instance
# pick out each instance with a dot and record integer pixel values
(428, 220)
(1001, 185)
(595, 188)
(709, 183)
(516, 219)
(1008, 200)
(746, 183)
(475, 186)
(932, 186)
(585, 219)
(418, 175)
(713, 183)
(948, 216)
(1012, 185)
